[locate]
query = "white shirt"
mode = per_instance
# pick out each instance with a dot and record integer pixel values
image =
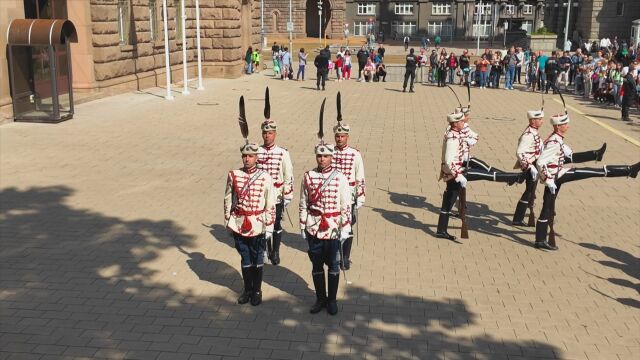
(567, 45)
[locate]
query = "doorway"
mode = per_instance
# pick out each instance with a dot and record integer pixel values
(313, 19)
(245, 15)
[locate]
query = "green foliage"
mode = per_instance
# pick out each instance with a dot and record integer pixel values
(543, 31)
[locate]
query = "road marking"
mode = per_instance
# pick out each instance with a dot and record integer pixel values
(598, 122)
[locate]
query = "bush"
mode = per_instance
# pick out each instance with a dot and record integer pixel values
(543, 31)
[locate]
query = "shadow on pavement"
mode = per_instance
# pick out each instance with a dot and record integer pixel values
(623, 261)
(100, 286)
(487, 223)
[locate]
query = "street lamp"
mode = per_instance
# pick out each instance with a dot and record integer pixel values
(320, 21)
(566, 25)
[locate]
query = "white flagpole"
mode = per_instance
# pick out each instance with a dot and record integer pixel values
(200, 86)
(166, 51)
(185, 90)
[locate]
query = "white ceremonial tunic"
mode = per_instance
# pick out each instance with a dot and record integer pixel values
(276, 161)
(249, 202)
(325, 203)
(529, 148)
(551, 161)
(349, 162)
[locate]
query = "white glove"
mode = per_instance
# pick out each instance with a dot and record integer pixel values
(534, 173)
(268, 235)
(461, 180)
(471, 141)
(344, 235)
(359, 204)
(304, 234)
(567, 151)
(551, 185)
(286, 202)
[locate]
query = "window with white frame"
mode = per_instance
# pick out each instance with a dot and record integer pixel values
(483, 28)
(123, 21)
(366, 9)
(527, 9)
(439, 28)
(510, 10)
(527, 26)
(153, 20)
(404, 27)
(441, 9)
(359, 28)
(404, 9)
(484, 10)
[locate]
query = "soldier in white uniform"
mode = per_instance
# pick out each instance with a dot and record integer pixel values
(553, 174)
(348, 161)
(276, 161)
(456, 171)
(249, 214)
(325, 221)
(471, 138)
(529, 149)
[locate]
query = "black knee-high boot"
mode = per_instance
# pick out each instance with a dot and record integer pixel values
(248, 285)
(332, 303)
(448, 198)
(622, 170)
(584, 156)
(521, 210)
(321, 292)
(256, 297)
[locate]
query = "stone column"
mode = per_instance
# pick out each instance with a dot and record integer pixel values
(79, 12)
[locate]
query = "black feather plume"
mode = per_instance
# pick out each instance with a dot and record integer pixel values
(321, 121)
(267, 105)
(454, 93)
(542, 108)
(339, 105)
(242, 121)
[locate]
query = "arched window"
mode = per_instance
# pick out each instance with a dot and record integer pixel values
(275, 15)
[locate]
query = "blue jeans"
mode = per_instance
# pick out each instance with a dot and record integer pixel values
(251, 249)
(511, 73)
(249, 68)
(452, 74)
(300, 71)
(483, 78)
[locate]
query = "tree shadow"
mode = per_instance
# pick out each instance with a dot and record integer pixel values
(277, 276)
(622, 261)
(487, 223)
(101, 286)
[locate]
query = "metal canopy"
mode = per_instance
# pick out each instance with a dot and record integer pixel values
(41, 32)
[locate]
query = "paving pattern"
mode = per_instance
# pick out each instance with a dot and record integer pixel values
(112, 243)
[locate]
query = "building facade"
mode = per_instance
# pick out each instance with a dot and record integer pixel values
(121, 42)
(591, 20)
(450, 19)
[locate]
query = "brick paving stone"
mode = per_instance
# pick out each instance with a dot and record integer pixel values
(112, 237)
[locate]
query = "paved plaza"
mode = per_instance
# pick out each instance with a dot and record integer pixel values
(113, 245)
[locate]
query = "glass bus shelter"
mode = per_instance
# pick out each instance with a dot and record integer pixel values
(40, 69)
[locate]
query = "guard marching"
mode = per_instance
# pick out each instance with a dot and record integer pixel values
(276, 161)
(529, 149)
(553, 174)
(457, 169)
(349, 162)
(249, 213)
(325, 221)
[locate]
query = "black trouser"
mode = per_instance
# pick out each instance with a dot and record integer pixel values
(548, 204)
(442, 77)
(626, 104)
(518, 72)
(572, 74)
(321, 76)
(382, 74)
(449, 198)
(409, 73)
(274, 247)
(551, 82)
(347, 244)
(360, 68)
(527, 196)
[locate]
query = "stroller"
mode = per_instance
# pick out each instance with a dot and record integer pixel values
(604, 95)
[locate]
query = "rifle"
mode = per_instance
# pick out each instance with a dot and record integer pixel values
(532, 199)
(464, 231)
